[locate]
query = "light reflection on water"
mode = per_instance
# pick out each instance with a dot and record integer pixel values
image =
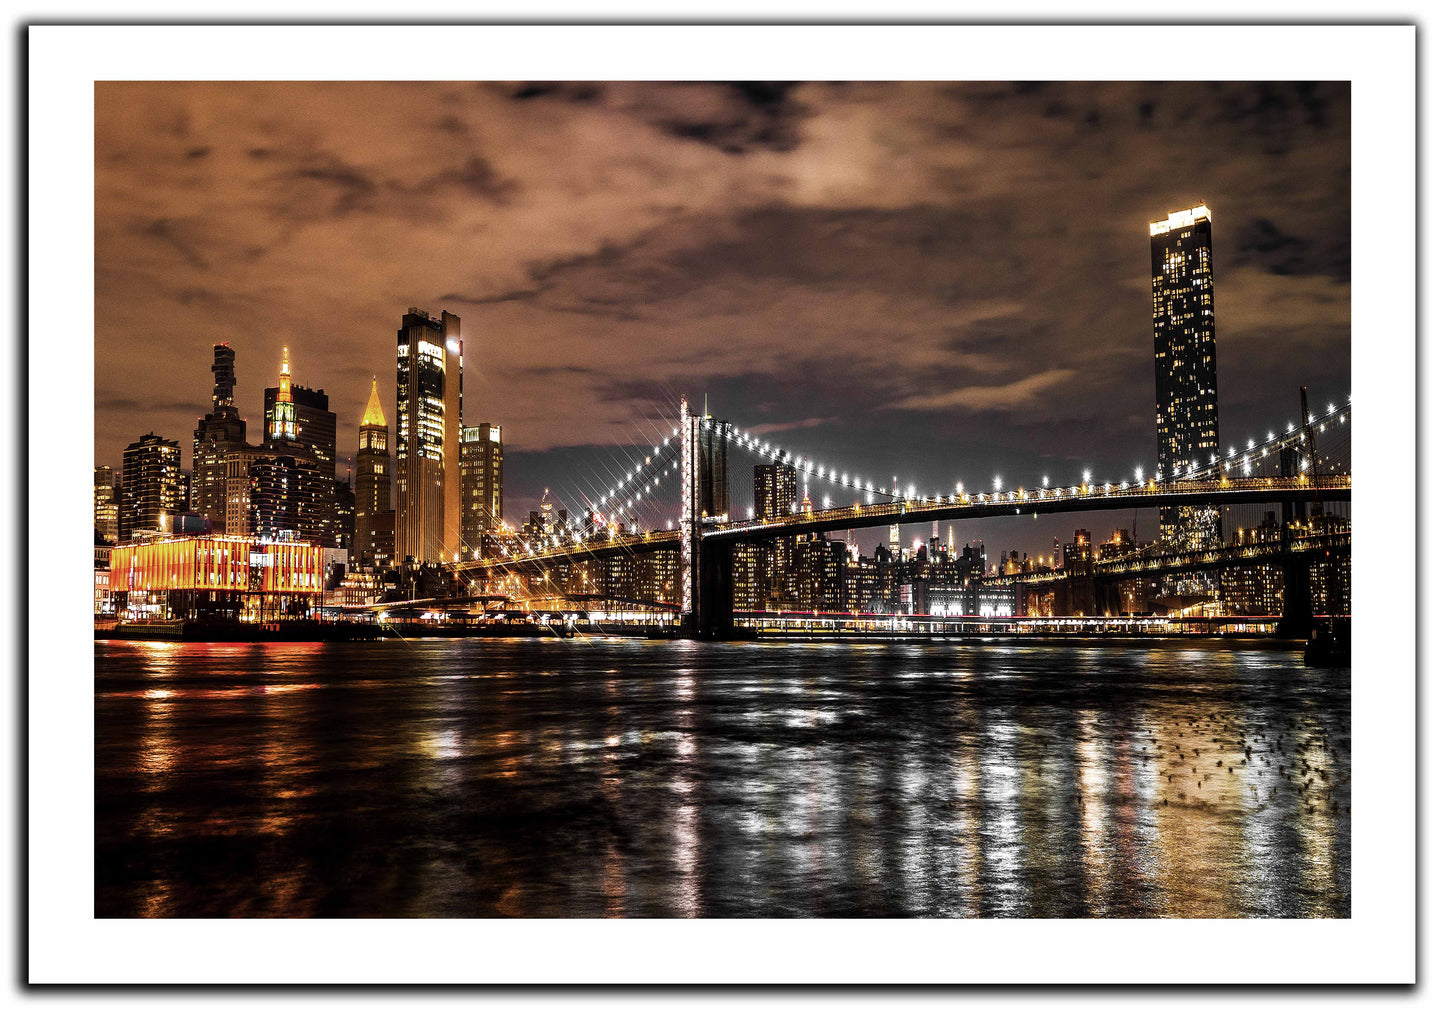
(654, 779)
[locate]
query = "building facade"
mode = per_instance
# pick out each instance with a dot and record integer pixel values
(107, 512)
(428, 436)
(481, 486)
(217, 434)
(1185, 386)
(151, 489)
(373, 483)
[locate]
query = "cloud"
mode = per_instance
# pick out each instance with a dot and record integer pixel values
(1017, 397)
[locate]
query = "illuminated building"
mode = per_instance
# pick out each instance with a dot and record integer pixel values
(107, 513)
(238, 489)
(300, 425)
(217, 434)
(290, 499)
(230, 577)
(775, 490)
(151, 489)
(750, 576)
(1185, 389)
(481, 486)
(343, 515)
(373, 482)
(298, 415)
(428, 436)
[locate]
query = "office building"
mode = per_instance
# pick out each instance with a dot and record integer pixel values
(1185, 389)
(481, 486)
(775, 490)
(217, 434)
(290, 499)
(301, 416)
(151, 491)
(107, 512)
(428, 437)
(373, 482)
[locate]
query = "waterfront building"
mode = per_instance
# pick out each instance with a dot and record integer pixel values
(1185, 386)
(217, 434)
(428, 436)
(151, 485)
(107, 512)
(481, 487)
(373, 481)
(208, 576)
(750, 576)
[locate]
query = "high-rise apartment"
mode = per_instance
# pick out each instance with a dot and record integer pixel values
(373, 481)
(775, 489)
(217, 434)
(107, 513)
(428, 436)
(481, 485)
(1185, 389)
(151, 491)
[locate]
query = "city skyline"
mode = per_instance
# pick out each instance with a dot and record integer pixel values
(906, 312)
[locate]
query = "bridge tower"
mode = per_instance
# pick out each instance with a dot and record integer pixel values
(706, 578)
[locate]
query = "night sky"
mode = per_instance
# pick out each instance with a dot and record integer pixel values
(938, 281)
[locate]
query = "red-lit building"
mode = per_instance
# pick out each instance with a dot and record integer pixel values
(196, 577)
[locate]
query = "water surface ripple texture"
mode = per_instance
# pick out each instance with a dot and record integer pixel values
(577, 778)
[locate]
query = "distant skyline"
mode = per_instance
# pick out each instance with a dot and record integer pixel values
(954, 276)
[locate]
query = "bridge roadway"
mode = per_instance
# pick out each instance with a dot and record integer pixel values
(1017, 502)
(1151, 565)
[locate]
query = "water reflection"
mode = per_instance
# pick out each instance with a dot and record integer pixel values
(438, 778)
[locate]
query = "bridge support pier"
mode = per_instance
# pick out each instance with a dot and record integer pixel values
(1297, 619)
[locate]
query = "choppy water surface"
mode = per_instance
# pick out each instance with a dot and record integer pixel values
(488, 778)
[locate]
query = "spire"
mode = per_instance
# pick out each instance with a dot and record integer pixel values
(372, 417)
(285, 394)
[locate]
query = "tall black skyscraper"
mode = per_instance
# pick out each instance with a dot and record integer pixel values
(1185, 389)
(217, 434)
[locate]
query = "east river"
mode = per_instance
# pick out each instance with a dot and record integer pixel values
(577, 778)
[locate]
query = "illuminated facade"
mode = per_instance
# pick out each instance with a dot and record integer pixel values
(151, 490)
(428, 437)
(481, 486)
(221, 576)
(107, 513)
(373, 482)
(1185, 387)
(217, 434)
(302, 416)
(290, 499)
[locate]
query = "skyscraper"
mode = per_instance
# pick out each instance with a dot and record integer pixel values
(302, 416)
(107, 516)
(292, 484)
(217, 434)
(775, 489)
(1185, 389)
(151, 488)
(481, 485)
(373, 480)
(428, 436)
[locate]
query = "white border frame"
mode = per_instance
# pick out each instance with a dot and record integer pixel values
(1377, 944)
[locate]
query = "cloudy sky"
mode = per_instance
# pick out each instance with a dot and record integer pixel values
(939, 281)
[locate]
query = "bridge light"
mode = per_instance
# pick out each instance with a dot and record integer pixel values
(1086, 476)
(998, 483)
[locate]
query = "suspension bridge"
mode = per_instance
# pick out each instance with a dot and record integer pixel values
(700, 546)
